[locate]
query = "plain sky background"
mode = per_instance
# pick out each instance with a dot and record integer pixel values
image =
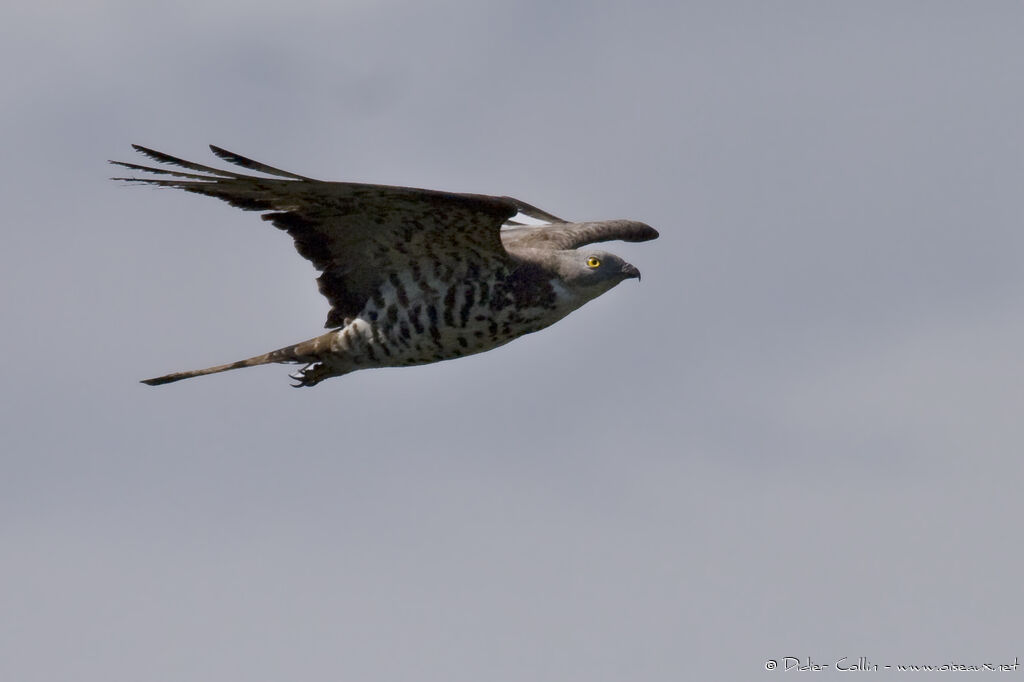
(800, 435)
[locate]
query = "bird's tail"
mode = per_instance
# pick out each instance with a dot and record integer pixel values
(307, 351)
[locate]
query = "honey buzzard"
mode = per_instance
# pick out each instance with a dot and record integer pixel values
(413, 276)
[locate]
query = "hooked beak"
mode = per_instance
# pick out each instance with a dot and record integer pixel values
(630, 272)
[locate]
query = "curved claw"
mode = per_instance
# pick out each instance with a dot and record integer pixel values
(301, 382)
(310, 375)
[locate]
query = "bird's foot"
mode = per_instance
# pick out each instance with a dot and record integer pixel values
(310, 375)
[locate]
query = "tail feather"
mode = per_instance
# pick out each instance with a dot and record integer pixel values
(307, 351)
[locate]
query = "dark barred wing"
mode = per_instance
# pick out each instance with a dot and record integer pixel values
(357, 235)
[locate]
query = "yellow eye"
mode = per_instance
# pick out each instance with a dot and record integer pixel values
(593, 262)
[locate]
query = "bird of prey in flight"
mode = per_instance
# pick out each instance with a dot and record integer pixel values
(413, 276)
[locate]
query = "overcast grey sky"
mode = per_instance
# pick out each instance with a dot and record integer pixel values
(800, 435)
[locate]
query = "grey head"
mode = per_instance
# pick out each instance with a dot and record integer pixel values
(588, 273)
(592, 271)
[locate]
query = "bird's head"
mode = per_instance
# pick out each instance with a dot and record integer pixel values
(592, 272)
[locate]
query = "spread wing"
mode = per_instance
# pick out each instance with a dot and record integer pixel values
(564, 236)
(357, 235)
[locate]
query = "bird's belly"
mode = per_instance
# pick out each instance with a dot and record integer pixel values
(482, 331)
(421, 335)
(412, 322)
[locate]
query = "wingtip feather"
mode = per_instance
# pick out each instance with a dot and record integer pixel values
(648, 233)
(251, 164)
